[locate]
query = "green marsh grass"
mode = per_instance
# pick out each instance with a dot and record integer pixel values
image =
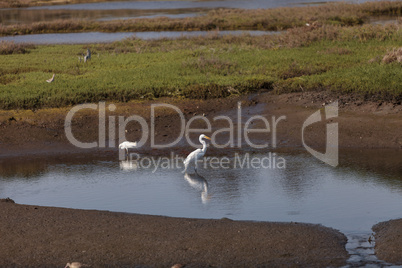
(329, 57)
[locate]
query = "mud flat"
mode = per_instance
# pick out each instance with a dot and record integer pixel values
(50, 237)
(388, 241)
(362, 124)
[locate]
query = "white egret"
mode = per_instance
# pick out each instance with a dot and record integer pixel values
(51, 79)
(127, 145)
(196, 154)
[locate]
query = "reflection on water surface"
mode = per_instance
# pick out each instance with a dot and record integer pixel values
(351, 198)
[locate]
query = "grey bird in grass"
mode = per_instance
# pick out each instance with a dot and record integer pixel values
(88, 56)
(51, 79)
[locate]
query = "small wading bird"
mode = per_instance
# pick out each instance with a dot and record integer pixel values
(51, 79)
(196, 154)
(127, 145)
(88, 56)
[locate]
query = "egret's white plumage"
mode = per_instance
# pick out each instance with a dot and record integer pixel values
(51, 79)
(127, 145)
(194, 156)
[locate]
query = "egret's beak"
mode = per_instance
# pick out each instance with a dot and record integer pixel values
(207, 137)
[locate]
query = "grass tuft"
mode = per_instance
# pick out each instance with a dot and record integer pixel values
(9, 47)
(395, 55)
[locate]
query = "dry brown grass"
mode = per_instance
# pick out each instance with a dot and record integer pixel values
(9, 47)
(395, 55)
(297, 37)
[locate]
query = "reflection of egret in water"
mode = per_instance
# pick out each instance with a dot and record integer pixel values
(128, 165)
(200, 183)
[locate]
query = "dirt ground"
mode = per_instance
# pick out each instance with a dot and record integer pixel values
(388, 245)
(34, 236)
(361, 124)
(50, 237)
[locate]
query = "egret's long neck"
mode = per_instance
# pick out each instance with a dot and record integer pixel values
(204, 145)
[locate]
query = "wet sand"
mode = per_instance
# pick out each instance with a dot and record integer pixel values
(50, 237)
(388, 241)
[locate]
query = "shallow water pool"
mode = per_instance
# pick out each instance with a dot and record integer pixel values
(99, 37)
(347, 198)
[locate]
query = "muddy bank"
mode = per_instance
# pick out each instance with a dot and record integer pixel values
(388, 241)
(362, 124)
(50, 237)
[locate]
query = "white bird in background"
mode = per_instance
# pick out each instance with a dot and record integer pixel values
(51, 79)
(196, 154)
(127, 145)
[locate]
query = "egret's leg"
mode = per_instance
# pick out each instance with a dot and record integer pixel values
(186, 166)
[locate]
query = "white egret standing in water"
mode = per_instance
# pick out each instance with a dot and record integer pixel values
(127, 145)
(196, 154)
(51, 79)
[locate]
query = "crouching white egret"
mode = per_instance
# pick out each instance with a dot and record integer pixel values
(195, 155)
(127, 145)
